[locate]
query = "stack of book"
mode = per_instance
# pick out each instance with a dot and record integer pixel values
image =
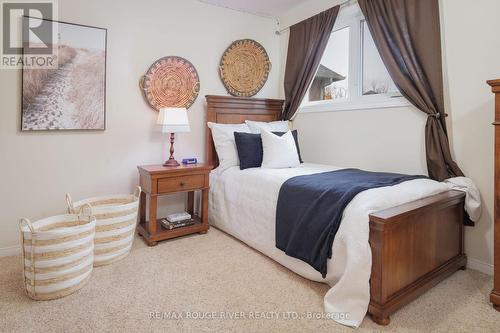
(179, 220)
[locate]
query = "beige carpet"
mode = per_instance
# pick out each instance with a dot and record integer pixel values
(215, 272)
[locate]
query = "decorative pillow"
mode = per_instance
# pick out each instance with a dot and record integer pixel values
(279, 151)
(223, 136)
(272, 126)
(249, 146)
(294, 133)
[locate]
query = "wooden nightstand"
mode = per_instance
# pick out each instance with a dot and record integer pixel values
(157, 180)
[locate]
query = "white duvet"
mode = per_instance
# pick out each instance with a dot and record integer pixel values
(243, 204)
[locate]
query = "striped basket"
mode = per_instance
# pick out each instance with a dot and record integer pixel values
(57, 254)
(116, 219)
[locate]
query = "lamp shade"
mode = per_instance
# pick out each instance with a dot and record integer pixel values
(173, 120)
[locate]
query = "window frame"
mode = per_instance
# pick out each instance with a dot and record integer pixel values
(351, 17)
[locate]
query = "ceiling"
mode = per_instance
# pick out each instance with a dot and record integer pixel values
(268, 8)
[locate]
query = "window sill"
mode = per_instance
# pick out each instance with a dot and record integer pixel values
(328, 106)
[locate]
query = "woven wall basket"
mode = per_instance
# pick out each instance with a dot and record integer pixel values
(116, 219)
(57, 254)
(171, 82)
(244, 67)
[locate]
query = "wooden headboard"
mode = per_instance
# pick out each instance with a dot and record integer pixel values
(235, 110)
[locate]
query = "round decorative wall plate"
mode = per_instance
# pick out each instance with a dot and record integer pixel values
(171, 82)
(244, 67)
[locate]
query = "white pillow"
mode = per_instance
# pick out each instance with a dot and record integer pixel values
(223, 136)
(279, 151)
(272, 126)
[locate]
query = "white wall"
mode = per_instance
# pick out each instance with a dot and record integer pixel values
(472, 46)
(392, 139)
(39, 168)
(377, 139)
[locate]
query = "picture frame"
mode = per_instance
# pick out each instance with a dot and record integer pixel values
(71, 96)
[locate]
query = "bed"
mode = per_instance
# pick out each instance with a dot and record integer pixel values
(386, 253)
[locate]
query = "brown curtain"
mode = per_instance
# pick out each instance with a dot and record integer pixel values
(407, 36)
(306, 44)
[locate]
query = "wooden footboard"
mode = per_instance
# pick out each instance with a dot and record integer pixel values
(414, 247)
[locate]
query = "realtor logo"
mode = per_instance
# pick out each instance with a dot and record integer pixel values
(28, 34)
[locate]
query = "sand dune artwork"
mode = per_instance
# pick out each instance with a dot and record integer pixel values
(71, 96)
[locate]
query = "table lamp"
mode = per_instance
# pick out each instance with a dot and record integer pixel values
(173, 120)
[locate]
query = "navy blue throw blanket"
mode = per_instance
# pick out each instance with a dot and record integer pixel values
(310, 209)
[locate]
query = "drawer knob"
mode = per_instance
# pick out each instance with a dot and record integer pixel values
(182, 184)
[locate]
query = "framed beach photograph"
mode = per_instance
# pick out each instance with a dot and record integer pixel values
(72, 94)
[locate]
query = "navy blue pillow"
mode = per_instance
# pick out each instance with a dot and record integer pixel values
(249, 146)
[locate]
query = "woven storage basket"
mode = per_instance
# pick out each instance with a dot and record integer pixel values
(116, 219)
(57, 254)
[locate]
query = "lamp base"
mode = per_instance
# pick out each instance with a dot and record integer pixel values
(171, 163)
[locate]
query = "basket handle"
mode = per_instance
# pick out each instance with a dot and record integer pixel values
(137, 193)
(32, 253)
(82, 212)
(69, 201)
(28, 222)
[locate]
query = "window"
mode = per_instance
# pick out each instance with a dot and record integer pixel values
(351, 74)
(331, 79)
(376, 79)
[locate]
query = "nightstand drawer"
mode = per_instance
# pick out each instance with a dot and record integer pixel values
(182, 183)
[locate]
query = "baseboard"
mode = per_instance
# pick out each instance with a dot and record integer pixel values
(479, 266)
(10, 251)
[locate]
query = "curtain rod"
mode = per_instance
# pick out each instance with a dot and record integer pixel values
(342, 4)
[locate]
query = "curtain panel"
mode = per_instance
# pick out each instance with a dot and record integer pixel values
(306, 44)
(408, 38)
